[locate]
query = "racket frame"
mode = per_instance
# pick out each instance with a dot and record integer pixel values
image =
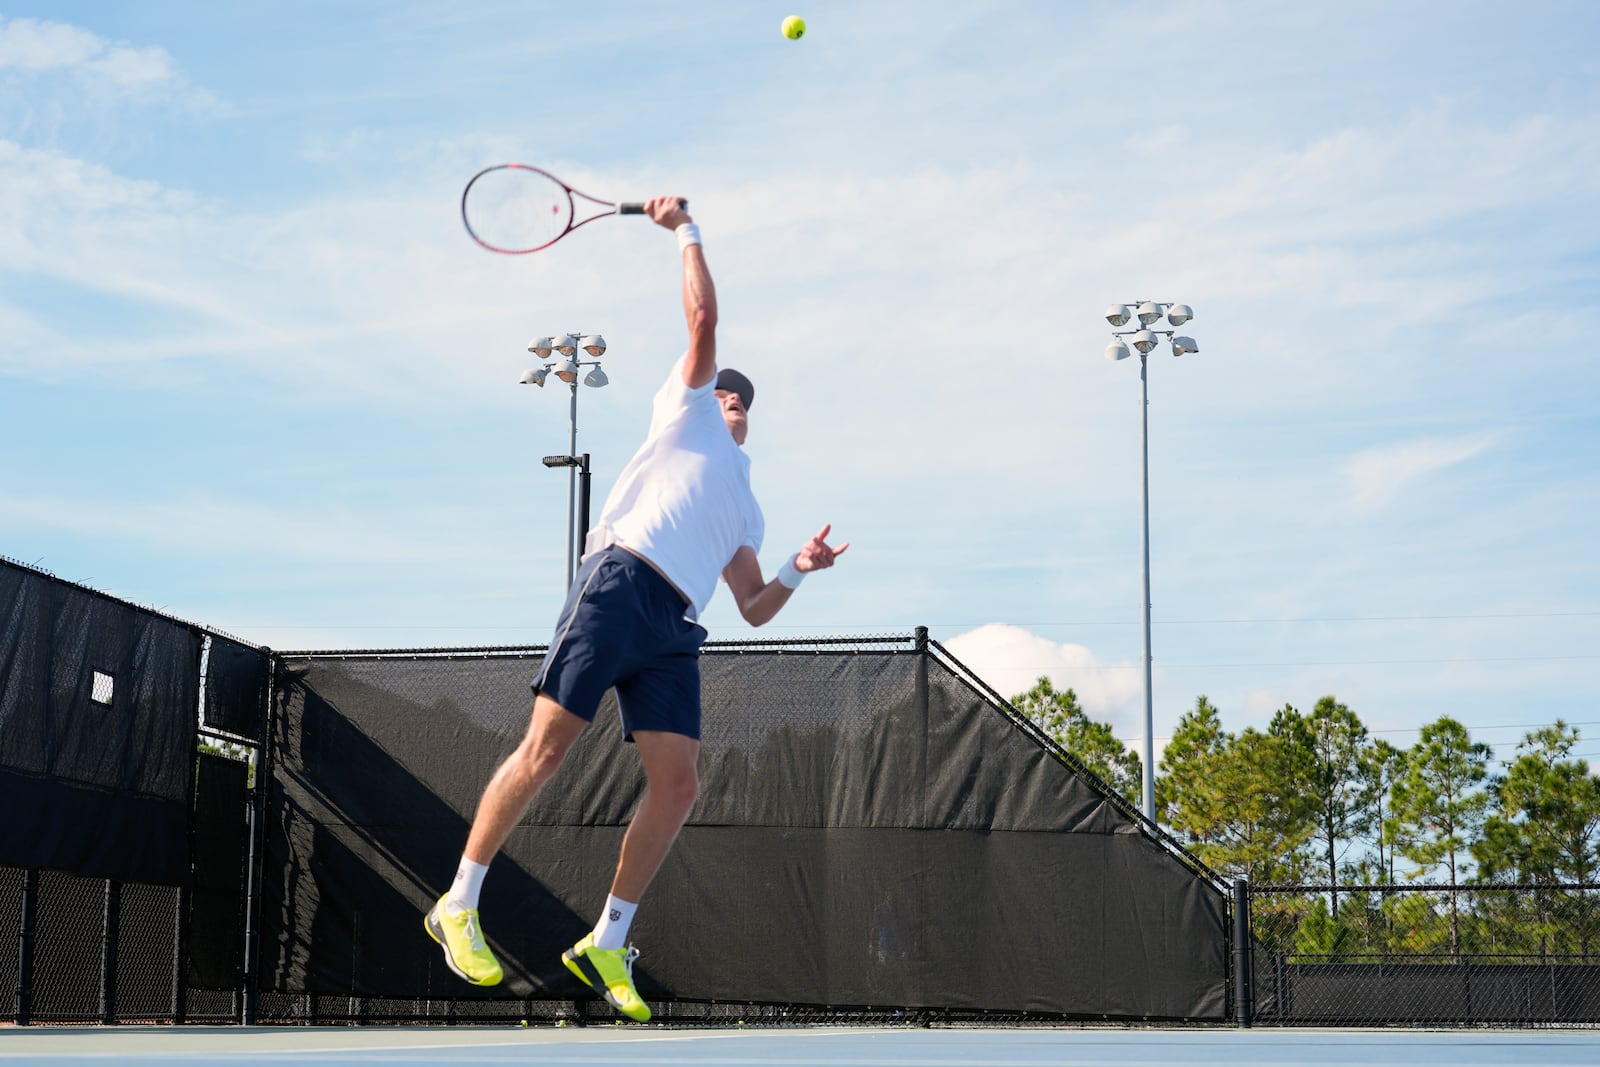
(572, 208)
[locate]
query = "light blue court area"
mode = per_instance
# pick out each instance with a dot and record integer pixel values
(855, 1047)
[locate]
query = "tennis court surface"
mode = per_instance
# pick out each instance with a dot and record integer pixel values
(877, 1047)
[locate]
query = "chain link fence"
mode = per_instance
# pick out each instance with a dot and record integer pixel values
(1435, 955)
(87, 950)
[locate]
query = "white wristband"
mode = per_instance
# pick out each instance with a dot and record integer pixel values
(789, 575)
(688, 234)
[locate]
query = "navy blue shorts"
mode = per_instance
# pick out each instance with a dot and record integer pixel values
(623, 626)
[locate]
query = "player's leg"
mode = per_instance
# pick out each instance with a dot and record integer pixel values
(579, 668)
(671, 785)
(660, 709)
(602, 959)
(658, 698)
(552, 729)
(453, 921)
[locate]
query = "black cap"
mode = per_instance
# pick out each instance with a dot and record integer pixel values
(734, 382)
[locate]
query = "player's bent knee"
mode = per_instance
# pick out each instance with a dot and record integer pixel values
(538, 763)
(680, 790)
(551, 734)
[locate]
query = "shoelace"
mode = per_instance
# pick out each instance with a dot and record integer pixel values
(474, 935)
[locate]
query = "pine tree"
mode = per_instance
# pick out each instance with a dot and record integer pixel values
(1381, 766)
(1259, 821)
(1181, 789)
(1338, 743)
(1546, 829)
(1438, 804)
(1094, 744)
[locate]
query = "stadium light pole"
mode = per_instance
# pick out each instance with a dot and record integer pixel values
(1144, 339)
(561, 352)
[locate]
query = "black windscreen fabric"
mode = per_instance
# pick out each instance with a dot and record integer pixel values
(97, 709)
(236, 688)
(870, 832)
(216, 903)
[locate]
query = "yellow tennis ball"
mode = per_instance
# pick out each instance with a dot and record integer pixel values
(794, 27)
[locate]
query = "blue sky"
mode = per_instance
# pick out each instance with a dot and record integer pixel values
(255, 375)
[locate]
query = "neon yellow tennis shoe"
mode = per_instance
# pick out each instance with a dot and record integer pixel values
(465, 951)
(609, 972)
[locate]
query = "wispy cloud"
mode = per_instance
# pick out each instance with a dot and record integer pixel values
(1377, 476)
(100, 69)
(195, 523)
(42, 45)
(35, 45)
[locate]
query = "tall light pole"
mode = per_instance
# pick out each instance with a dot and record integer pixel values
(1144, 340)
(562, 352)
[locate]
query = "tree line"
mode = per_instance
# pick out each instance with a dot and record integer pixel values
(1314, 798)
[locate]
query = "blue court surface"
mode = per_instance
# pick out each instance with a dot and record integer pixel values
(859, 1047)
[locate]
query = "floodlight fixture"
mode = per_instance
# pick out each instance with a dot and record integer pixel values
(1183, 346)
(1118, 314)
(1178, 314)
(1144, 341)
(1117, 350)
(564, 357)
(1148, 312)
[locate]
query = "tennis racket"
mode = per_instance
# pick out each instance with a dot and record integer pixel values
(516, 209)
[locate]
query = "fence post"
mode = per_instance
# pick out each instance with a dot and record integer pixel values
(250, 1002)
(180, 959)
(921, 677)
(30, 908)
(257, 816)
(1243, 992)
(920, 694)
(921, 639)
(110, 929)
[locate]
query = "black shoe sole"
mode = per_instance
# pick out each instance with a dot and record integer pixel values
(580, 966)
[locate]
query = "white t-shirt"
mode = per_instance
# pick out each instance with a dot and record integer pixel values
(684, 501)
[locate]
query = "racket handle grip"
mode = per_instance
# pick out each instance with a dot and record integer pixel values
(638, 209)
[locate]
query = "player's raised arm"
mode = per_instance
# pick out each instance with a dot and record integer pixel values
(699, 295)
(760, 600)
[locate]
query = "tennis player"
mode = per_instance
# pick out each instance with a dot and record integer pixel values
(680, 514)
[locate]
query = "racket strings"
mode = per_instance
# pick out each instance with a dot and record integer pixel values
(517, 209)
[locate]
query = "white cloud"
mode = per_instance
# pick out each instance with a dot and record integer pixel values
(37, 46)
(1377, 476)
(28, 44)
(1011, 659)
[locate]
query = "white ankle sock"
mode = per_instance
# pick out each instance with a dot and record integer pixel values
(463, 894)
(612, 929)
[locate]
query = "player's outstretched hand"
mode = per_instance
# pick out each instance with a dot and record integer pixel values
(667, 211)
(815, 555)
